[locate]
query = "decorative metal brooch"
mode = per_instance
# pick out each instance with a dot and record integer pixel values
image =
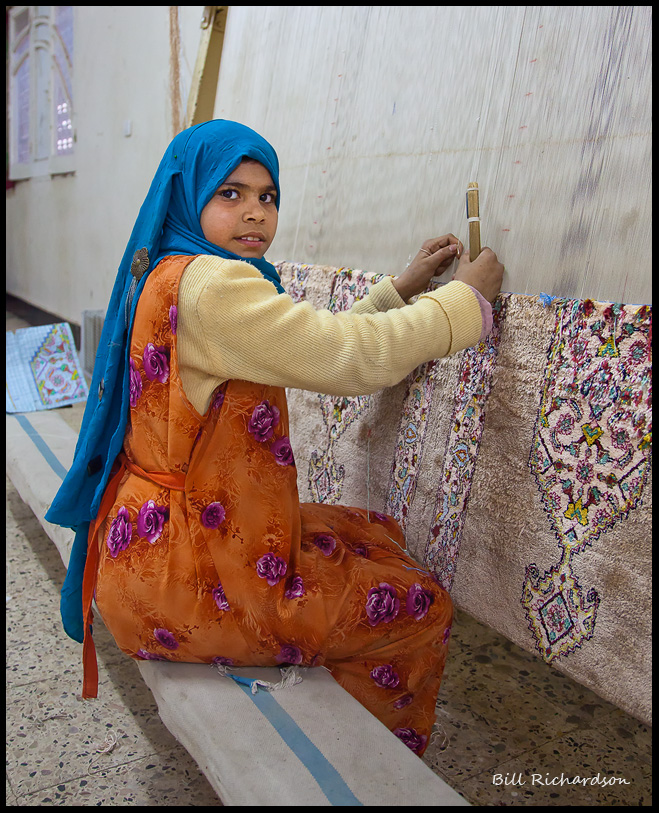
(140, 263)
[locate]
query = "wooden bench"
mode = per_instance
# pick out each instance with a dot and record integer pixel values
(311, 743)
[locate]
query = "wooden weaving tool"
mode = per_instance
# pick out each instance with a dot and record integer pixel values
(474, 221)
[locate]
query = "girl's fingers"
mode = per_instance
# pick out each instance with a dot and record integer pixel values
(434, 245)
(440, 257)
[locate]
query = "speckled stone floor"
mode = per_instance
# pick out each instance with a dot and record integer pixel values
(513, 730)
(518, 730)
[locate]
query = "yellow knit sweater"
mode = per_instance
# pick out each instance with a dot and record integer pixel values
(232, 323)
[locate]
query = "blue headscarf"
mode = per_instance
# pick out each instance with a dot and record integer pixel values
(196, 162)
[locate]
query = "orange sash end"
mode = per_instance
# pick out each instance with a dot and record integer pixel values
(172, 480)
(89, 663)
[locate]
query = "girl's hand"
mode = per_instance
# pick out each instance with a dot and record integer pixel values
(485, 274)
(432, 260)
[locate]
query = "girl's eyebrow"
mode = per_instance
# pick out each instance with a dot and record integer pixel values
(247, 186)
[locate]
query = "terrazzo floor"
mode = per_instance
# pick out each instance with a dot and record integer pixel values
(513, 730)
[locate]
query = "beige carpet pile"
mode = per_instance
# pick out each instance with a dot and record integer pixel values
(519, 470)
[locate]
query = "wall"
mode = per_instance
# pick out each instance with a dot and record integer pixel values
(383, 114)
(66, 234)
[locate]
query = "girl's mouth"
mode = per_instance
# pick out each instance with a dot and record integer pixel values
(250, 242)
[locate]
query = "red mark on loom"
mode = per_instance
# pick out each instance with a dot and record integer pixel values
(517, 162)
(530, 93)
(505, 229)
(532, 60)
(511, 196)
(524, 127)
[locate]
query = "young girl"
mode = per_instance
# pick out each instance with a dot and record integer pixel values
(183, 490)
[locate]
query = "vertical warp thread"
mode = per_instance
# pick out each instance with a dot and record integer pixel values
(368, 476)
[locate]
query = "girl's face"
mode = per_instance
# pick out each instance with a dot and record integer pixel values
(241, 217)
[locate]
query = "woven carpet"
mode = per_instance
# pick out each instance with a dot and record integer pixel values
(520, 471)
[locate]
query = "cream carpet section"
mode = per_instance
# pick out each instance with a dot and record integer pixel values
(519, 470)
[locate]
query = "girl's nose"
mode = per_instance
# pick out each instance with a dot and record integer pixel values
(254, 211)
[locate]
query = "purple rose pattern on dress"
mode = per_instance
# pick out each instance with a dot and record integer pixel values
(411, 738)
(447, 635)
(381, 517)
(156, 363)
(403, 701)
(385, 676)
(219, 597)
(289, 654)
(271, 568)
(165, 638)
(213, 515)
(173, 319)
(283, 452)
(325, 543)
(418, 601)
(222, 661)
(135, 382)
(218, 400)
(151, 520)
(149, 656)
(295, 588)
(382, 604)
(120, 532)
(263, 422)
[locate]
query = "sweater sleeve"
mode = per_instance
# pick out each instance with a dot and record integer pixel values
(233, 324)
(381, 297)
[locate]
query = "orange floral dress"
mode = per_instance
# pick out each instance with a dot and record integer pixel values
(207, 556)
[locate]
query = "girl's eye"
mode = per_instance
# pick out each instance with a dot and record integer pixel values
(228, 194)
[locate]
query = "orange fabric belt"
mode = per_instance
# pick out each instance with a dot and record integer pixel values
(172, 480)
(169, 479)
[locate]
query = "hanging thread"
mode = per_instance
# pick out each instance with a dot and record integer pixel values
(290, 676)
(368, 475)
(439, 738)
(108, 743)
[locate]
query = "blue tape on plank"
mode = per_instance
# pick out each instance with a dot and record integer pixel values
(42, 446)
(328, 778)
(244, 681)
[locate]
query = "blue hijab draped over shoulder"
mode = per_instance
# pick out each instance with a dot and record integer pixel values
(196, 162)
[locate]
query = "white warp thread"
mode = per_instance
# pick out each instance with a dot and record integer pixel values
(290, 677)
